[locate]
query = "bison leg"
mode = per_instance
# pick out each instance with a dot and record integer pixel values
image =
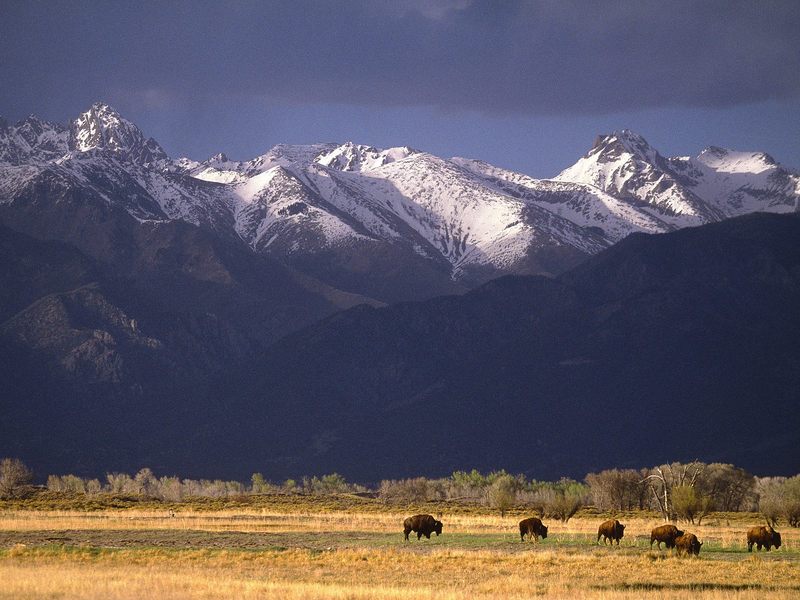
(749, 546)
(406, 532)
(419, 535)
(428, 535)
(768, 547)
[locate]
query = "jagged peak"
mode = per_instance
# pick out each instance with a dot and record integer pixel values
(101, 126)
(624, 139)
(102, 108)
(36, 123)
(359, 157)
(623, 144)
(219, 157)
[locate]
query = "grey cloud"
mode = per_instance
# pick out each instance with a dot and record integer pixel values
(549, 58)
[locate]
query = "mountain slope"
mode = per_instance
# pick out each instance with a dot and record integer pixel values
(663, 347)
(108, 357)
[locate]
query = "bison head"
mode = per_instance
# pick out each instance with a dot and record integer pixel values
(678, 533)
(776, 539)
(544, 532)
(437, 527)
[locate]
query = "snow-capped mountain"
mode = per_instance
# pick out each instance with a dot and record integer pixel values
(102, 127)
(684, 191)
(393, 223)
(31, 141)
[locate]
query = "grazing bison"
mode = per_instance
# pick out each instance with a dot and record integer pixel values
(611, 530)
(533, 528)
(763, 536)
(422, 525)
(688, 543)
(666, 534)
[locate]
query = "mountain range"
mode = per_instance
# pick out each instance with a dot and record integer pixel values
(393, 224)
(187, 315)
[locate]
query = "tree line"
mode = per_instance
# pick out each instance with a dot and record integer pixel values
(677, 491)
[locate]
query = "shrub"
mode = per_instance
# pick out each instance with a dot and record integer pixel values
(502, 493)
(409, 491)
(564, 503)
(327, 484)
(689, 504)
(259, 485)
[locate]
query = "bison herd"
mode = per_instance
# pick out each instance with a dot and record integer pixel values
(611, 531)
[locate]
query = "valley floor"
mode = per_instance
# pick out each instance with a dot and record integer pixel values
(260, 553)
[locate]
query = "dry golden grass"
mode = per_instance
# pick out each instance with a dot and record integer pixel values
(30, 573)
(315, 562)
(716, 530)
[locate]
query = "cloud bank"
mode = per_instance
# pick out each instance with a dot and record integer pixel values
(517, 58)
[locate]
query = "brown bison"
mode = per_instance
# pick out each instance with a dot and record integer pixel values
(533, 528)
(763, 536)
(688, 543)
(666, 534)
(611, 530)
(422, 525)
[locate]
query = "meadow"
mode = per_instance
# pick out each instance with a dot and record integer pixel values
(353, 548)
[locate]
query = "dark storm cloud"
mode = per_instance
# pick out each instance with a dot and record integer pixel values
(529, 58)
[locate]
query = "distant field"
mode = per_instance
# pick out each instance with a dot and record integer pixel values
(313, 553)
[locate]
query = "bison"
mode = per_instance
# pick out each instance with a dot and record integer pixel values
(763, 536)
(688, 543)
(666, 534)
(611, 530)
(533, 528)
(422, 525)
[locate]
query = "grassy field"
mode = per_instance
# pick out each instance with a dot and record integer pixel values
(305, 552)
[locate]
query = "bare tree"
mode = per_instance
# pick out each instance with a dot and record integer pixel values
(615, 489)
(731, 488)
(15, 478)
(779, 498)
(145, 483)
(661, 480)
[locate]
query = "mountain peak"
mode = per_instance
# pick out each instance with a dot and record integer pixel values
(624, 141)
(103, 127)
(732, 161)
(358, 157)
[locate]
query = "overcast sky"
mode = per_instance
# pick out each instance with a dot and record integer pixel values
(526, 85)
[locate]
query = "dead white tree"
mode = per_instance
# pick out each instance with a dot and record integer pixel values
(661, 480)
